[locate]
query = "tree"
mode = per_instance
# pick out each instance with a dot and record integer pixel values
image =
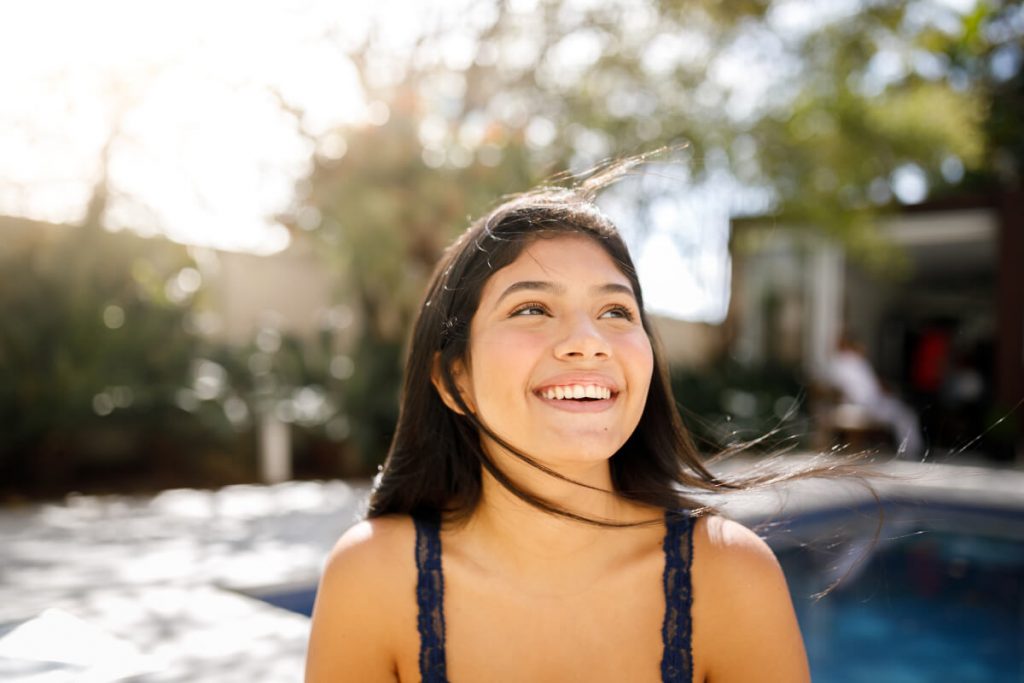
(492, 98)
(94, 350)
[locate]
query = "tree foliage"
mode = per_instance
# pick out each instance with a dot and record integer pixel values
(92, 351)
(491, 98)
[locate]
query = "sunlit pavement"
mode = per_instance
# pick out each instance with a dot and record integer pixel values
(152, 589)
(114, 588)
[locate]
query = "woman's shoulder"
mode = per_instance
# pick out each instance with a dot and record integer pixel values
(742, 604)
(735, 564)
(369, 569)
(375, 549)
(724, 540)
(364, 620)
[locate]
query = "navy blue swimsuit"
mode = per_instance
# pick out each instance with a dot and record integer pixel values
(677, 656)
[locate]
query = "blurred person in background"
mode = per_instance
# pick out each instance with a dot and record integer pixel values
(852, 375)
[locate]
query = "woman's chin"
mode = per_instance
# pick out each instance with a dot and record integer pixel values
(567, 451)
(575, 454)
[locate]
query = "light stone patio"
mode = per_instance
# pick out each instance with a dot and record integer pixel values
(148, 588)
(141, 588)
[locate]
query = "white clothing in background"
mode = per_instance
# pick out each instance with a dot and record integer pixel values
(852, 374)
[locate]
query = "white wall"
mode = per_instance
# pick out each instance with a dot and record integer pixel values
(292, 290)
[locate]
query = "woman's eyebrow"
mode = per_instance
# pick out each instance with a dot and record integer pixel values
(554, 288)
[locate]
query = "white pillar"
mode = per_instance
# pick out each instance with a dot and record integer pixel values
(275, 449)
(825, 285)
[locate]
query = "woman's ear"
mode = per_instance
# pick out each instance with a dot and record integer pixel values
(459, 375)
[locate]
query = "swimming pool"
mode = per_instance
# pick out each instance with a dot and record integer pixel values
(938, 598)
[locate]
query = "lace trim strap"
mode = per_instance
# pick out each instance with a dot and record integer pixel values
(430, 599)
(677, 656)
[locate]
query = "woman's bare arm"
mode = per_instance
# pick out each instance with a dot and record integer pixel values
(357, 619)
(747, 629)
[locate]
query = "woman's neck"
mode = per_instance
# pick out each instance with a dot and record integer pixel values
(519, 537)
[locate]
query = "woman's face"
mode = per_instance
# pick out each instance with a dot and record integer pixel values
(559, 362)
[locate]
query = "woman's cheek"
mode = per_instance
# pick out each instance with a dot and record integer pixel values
(639, 347)
(496, 357)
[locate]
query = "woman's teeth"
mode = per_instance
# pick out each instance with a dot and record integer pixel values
(577, 391)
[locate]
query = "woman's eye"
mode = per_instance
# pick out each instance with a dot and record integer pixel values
(618, 312)
(529, 310)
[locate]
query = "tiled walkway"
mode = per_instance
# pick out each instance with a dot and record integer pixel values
(102, 589)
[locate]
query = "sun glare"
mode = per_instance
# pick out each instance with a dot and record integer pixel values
(179, 105)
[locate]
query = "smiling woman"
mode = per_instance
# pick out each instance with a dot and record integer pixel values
(539, 446)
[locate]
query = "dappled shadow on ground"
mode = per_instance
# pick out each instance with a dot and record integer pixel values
(148, 571)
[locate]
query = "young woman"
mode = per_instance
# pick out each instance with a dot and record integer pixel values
(531, 522)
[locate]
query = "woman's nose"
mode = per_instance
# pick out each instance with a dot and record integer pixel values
(582, 339)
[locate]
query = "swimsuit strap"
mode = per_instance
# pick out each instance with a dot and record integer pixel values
(430, 599)
(677, 655)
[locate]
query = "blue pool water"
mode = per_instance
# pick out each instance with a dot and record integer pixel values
(939, 598)
(298, 600)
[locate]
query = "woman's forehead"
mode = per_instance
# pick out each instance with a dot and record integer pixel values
(562, 260)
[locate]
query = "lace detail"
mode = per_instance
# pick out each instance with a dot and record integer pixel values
(430, 599)
(677, 656)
